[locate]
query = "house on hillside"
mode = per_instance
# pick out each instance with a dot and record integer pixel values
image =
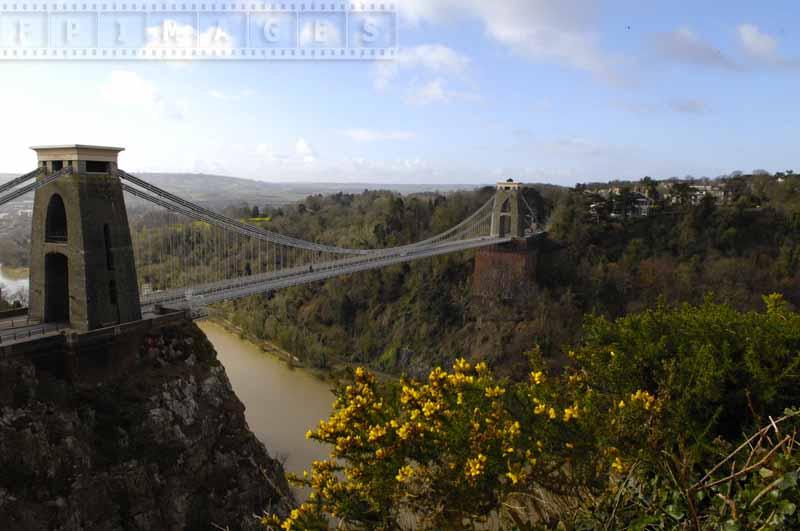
(642, 205)
(715, 191)
(682, 192)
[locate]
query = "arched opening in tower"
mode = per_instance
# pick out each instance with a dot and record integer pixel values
(505, 218)
(505, 225)
(56, 288)
(56, 223)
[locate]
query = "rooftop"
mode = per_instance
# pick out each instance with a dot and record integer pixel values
(76, 147)
(77, 153)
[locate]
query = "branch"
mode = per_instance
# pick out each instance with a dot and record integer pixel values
(748, 469)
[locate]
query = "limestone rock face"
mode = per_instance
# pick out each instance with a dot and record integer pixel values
(164, 447)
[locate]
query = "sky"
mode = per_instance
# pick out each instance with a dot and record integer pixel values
(559, 91)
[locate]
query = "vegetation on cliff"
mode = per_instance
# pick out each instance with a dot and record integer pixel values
(390, 318)
(669, 418)
(409, 318)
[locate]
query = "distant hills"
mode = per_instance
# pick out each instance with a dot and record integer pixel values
(210, 189)
(219, 190)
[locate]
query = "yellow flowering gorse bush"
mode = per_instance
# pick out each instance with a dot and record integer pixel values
(444, 450)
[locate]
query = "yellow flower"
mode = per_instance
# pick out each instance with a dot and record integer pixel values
(481, 368)
(540, 408)
(270, 520)
(537, 377)
(513, 477)
(621, 404)
(552, 413)
(309, 434)
(569, 445)
(461, 365)
(429, 408)
(644, 397)
(617, 466)
(404, 474)
(376, 432)
(405, 431)
(360, 372)
(494, 392)
(570, 413)
(460, 399)
(436, 375)
(475, 466)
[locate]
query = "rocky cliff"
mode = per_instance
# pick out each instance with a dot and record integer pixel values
(166, 446)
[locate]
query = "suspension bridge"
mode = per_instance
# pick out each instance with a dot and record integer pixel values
(90, 268)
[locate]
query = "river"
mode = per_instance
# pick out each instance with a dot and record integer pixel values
(282, 404)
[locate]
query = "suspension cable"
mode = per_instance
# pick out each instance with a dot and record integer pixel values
(35, 186)
(19, 180)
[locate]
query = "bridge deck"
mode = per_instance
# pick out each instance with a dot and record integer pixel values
(15, 329)
(251, 285)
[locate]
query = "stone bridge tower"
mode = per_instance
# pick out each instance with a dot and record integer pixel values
(507, 271)
(82, 269)
(508, 216)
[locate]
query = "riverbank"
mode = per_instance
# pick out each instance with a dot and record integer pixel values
(292, 361)
(281, 403)
(340, 371)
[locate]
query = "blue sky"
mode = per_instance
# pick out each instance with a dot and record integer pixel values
(552, 91)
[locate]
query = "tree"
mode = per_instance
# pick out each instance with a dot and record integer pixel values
(652, 404)
(256, 213)
(683, 192)
(650, 187)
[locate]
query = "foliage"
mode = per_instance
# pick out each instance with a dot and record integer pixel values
(409, 318)
(644, 429)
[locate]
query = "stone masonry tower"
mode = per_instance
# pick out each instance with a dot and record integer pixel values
(82, 269)
(508, 216)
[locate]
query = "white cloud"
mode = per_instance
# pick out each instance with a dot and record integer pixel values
(762, 48)
(218, 94)
(127, 89)
(304, 151)
(425, 73)
(691, 106)
(756, 43)
(683, 46)
(266, 152)
(124, 88)
(299, 156)
(372, 135)
(436, 91)
(559, 32)
(685, 106)
(429, 58)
